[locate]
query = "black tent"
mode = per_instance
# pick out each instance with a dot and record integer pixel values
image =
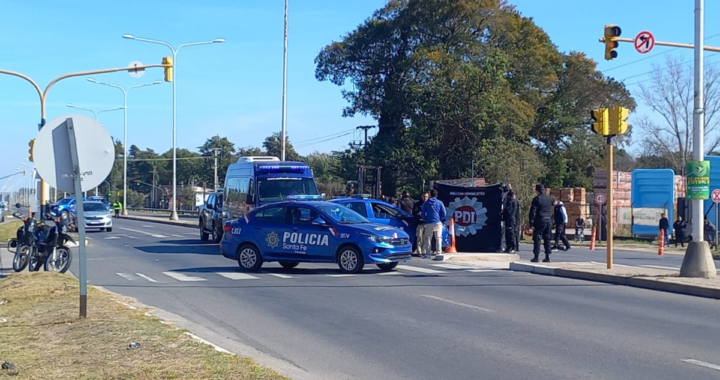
(477, 214)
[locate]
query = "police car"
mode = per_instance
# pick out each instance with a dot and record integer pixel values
(291, 232)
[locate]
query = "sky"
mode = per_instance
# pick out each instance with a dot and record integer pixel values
(234, 89)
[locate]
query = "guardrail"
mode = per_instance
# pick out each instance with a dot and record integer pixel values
(162, 211)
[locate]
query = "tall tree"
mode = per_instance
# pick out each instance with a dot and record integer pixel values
(273, 147)
(225, 156)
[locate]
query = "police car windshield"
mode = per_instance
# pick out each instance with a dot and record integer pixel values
(278, 189)
(343, 214)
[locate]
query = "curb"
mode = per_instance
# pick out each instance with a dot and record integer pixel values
(636, 282)
(160, 221)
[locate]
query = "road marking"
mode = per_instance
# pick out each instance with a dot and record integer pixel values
(112, 238)
(388, 273)
(450, 266)
(280, 275)
(482, 270)
(340, 275)
(145, 277)
(478, 308)
(158, 236)
(126, 276)
(147, 226)
(237, 276)
(183, 277)
(702, 364)
(179, 236)
(418, 269)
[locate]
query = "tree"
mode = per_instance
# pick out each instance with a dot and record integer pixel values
(670, 95)
(324, 166)
(225, 156)
(272, 145)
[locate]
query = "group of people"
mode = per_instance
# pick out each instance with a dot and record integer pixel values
(544, 212)
(681, 228)
(429, 213)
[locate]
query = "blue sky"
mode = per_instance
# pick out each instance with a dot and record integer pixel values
(234, 89)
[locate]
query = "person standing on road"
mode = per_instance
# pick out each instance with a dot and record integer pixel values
(709, 232)
(540, 218)
(406, 203)
(679, 227)
(664, 226)
(420, 228)
(579, 229)
(509, 216)
(433, 212)
(117, 206)
(561, 220)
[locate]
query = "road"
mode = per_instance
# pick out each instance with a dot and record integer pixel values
(163, 215)
(427, 320)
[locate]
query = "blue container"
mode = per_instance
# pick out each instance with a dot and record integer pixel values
(653, 188)
(714, 184)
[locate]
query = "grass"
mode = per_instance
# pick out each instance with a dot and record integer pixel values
(43, 336)
(8, 230)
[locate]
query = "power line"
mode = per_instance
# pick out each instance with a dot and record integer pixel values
(343, 133)
(323, 140)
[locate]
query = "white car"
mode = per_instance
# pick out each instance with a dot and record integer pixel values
(97, 216)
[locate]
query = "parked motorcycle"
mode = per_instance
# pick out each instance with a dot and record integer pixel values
(40, 244)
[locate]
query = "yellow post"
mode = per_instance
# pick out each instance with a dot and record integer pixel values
(609, 218)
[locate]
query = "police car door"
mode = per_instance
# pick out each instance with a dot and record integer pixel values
(389, 216)
(269, 226)
(306, 240)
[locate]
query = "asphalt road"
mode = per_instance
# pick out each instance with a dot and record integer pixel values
(163, 215)
(427, 320)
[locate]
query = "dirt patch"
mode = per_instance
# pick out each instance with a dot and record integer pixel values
(41, 334)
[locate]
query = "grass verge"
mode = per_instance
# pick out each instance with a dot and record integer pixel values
(8, 230)
(43, 337)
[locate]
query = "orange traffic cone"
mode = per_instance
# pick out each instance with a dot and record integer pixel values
(662, 243)
(592, 239)
(451, 232)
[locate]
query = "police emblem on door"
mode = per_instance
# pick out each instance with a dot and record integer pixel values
(272, 240)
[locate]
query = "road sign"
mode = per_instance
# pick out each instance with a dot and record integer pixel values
(96, 153)
(715, 195)
(600, 198)
(644, 42)
(135, 72)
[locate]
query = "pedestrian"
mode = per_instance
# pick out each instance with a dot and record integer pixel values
(664, 226)
(579, 229)
(518, 230)
(117, 206)
(561, 219)
(433, 212)
(406, 203)
(420, 223)
(710, 231)
(509, 216)
(679, 227)
(540, 218)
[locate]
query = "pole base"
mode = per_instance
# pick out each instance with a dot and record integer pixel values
(174, 216)
(124, 212)
(698, 261)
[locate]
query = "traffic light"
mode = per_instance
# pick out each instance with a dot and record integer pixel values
(618, 120)
(109, 195)
(612, 32)
(31, 144)
(168, 69)
(600, 118)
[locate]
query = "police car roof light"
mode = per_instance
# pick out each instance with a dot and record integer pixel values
(304, 197)
(257, 159)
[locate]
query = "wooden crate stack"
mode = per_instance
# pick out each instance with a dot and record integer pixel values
(574, 200)
(621, 184)
(679, 187)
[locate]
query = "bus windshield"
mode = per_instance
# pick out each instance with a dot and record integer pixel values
(278, 189)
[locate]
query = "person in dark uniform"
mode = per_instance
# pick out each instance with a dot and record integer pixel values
(406, 203)
(664, 226)
(518, 218)
(679, 227)
(541, 212)
(509, 216)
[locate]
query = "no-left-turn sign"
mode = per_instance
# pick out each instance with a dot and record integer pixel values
(644, 42)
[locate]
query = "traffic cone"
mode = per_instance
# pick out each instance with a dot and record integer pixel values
(662, 243)
(592, 239)
(451, 232)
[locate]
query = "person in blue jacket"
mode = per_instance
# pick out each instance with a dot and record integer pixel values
(433, 213)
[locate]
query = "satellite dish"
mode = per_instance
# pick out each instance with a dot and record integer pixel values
(95, 149)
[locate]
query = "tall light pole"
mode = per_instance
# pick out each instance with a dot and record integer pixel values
(125, 145)
(174, 215)
(284, 89)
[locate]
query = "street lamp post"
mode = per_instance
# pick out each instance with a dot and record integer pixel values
(125, 146)
(174, 215)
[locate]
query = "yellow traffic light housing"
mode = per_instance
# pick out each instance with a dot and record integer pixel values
(31, 146)
(612, 32)
(600, 118)
(168, 68)
(618, 120)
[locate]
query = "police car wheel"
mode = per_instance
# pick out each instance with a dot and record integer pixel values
(249, 258)
(289, 264)
(350, 260)
(387, 267)
(216, 235)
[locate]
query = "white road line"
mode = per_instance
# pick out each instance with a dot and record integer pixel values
(478, 308)
(126, 276)
(482, 270)
(280, 275)
(183, 277)
(388, 273)
(158, 236)
(145, 277)
(702, 364)
(419, 269)
(179, 236)
(237, 276)
(340, 275)
(112, 238)
(451, 266)
(147, 226)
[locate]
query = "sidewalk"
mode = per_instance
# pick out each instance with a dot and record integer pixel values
(639, 277)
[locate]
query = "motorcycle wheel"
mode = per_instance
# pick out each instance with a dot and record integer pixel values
(35, 261)
(20, 260)
(62, 260)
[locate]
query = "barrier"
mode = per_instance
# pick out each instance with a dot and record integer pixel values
(451, 232)
(662, 243)
(592, 239)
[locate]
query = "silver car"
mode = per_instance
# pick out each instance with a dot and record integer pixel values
(97, 216)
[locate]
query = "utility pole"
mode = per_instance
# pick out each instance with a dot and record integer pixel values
(283, 133)
(365, 129)
(152, 190)
(216, 168)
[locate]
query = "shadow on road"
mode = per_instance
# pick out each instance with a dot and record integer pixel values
(191, 241)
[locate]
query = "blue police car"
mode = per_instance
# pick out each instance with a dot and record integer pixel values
(291, 232)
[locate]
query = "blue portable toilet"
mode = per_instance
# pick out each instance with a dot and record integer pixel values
(653, 188)
(714, 184)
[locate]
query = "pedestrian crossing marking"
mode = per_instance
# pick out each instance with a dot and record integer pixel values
(419, 269)
(183, 277)
(237, 276)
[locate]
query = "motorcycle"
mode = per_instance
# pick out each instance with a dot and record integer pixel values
(40, 244)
